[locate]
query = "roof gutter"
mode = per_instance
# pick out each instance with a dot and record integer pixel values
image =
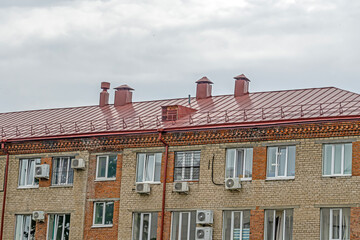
(3, 147)
(164, 184)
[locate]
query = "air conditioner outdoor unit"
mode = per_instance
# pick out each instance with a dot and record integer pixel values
(181, 187)
(42, 171)
(38, 216)
(143, 188)
(203, 233)
(204, 217)
(78, 163)
(232, 183)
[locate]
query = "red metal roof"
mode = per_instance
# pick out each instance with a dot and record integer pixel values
(257, 108)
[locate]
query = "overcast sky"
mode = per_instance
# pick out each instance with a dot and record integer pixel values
(55, 53)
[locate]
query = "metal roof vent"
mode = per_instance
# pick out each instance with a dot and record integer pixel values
(241, 85)
(104, 95)
(175, 112)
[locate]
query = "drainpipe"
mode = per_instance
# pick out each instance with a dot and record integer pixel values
(3, 147)
(164, 186)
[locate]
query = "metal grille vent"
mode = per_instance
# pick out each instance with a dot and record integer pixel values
(201, 216)
(139, 187)
(200, 233)
(230, 183)
(38, 170)
(75, 162)
(178, 186)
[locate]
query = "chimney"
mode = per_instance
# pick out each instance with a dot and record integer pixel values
(123, 95)
(241, 85)
(204, 88)
(104, 95)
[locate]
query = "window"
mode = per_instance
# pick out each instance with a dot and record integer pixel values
(27, 172)
(106, 167)
(25, 227)
(335, 224)
(59, 227)
(236, 225)
(183, 226)
(62, 173)
(337, 159)
(278, 224)
(148, 167)
(103, 213)
(187, 166)
(145, 226)
(281, 162)
(239, 163)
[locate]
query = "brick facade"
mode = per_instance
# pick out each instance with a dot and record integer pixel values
(305, 194)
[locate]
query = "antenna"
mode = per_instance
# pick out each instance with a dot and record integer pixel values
(189, 100)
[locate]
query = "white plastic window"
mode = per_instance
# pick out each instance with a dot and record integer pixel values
(281, 162)
(58, 227)
(145, 226)
(148, 167)
(278, 224)
(239, 163)
(106, 167)
(103, 213)
(27, 172)
(335, 224)
(337, 159)
(25, 227)
(236, 225)
(62, 173)
(183, 225)
(187, 166)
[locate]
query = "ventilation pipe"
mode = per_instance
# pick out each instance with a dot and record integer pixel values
(123, 95)
(204, 88)
(241, 85)
(104, 95)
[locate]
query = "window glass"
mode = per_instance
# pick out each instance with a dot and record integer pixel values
(62, 173)
(271, 165)
(102, 166)
(239, 163)
(291, 162)
(59, 227)
(230, 158)
(248, 162)
(335, 227)
(282, 156)
(183, 226)
(335, 224)
(187, 166)
(25, 227)
(145, 226)
(148, 167)
(239, 167)
(112, 167)
(278, 224)
(236, 225)
(109, 213)
(99, 209)
(348, 158)
(103, 213)
(327, 159)
(27, 172)
(337, 159)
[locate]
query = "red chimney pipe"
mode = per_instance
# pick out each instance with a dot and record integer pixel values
(204, 88)
(241, 85)
(123, 95)
(104, 95)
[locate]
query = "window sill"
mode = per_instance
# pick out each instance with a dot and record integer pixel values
(102, 226)
(105, 180)
(279, 178)
(28, 187)
(151, 183)
(61, 186)
(189, 181)
(337, 176)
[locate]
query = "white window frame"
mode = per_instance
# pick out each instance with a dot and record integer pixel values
(142, 224)
(331, 223)
(62, 159)
(277, 164)
(22, 224)
(183, 167)
(244, 163)
(333, 160)
(26, 184)
(274, 221)
(180, 224)
(103, 215)
(56, 224)
(106, 178)
(144, 169)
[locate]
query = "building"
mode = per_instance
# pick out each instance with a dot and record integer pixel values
(263, 165)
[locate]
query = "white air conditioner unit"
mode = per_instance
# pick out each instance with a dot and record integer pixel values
(38, 216)
(204, 217)
(232, 183)
(181, 187)
(78, 163)
(203, 233)
(42, 171)
(143, 188)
